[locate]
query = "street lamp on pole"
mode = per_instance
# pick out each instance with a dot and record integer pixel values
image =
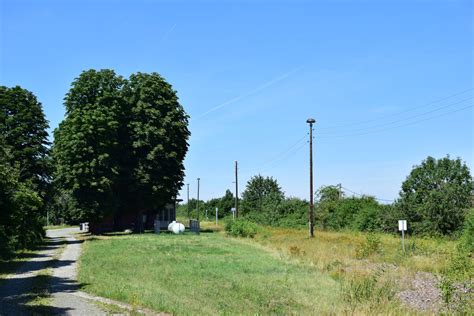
(311, 121)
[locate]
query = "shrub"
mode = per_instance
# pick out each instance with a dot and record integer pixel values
(467, 237)
(358, 291)
(371, 245)
(241, 228)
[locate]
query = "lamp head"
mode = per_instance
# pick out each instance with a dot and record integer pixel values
(311, 121)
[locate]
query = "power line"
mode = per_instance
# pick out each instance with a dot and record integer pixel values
(398, 113)
(359, 194)
(406, 118)
(281, 155)
(398, 126)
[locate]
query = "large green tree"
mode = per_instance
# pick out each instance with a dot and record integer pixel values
(121, 146)
(20, 223)
(23, 129)
(436, 195)
(24, 169)
(158, 132)
(87, 147)
(261, 191)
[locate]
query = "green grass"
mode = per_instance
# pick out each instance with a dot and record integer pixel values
(205, 274)
(58, 226)
(280, 271)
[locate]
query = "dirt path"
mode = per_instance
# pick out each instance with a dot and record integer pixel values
(15, 290)
(64, 284)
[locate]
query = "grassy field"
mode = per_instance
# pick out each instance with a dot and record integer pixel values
(206, 274)
(281, 271)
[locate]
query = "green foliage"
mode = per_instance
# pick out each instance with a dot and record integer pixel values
(329, 193)
(435, 196)
(371, 245)
(361, 290)
(24, 169)
(20, 223)
(23, 128)
(457, 282)
(363, 214)
(263, 202)
(467, 238)
(261, 192)
(121, 146)
(225, 204)
(241, 228)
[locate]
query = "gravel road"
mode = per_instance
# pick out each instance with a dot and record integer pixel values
(63, 288)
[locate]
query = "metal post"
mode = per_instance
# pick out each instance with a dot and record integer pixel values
(198, 200)
(311, 121)
(217, 216)
(403, 240)
(189, 214)
(236, 190)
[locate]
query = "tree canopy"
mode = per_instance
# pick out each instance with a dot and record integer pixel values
(24, 169)
(23, 128)
(260, 191)
(121, 146)
(436, 195)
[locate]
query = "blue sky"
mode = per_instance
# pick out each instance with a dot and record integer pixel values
(389, 82)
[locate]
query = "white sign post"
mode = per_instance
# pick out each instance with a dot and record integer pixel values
(402, 226)
(217, 213)
(233, 212)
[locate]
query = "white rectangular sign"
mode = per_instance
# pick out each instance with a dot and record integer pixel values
(402, 225)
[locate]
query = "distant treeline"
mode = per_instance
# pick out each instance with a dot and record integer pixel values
(434, 199)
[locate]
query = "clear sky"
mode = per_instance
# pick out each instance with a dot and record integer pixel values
(389, 82)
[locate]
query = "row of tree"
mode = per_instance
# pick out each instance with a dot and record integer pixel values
(119, 149)
(434, 198)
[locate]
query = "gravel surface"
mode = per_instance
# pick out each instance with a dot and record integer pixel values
(424, 294)
(14, 291)
(64, 282)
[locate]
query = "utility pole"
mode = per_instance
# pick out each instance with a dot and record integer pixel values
(311, 121)
(340, 190)
(236, 190)
(189, 214)
(198, 201)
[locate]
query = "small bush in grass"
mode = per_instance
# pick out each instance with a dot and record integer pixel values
(241, 228)
(358, 291)
(457, 286)
(371, 245)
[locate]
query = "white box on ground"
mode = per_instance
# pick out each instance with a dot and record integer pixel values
(402, 225)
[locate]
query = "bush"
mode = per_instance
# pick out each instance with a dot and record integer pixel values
(370, 290)
(371, 245)
(456, 284)
(467, 237)
(241, 228)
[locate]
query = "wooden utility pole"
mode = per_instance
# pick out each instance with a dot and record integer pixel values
(236, 190)
(311, 121)
(198, 201)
